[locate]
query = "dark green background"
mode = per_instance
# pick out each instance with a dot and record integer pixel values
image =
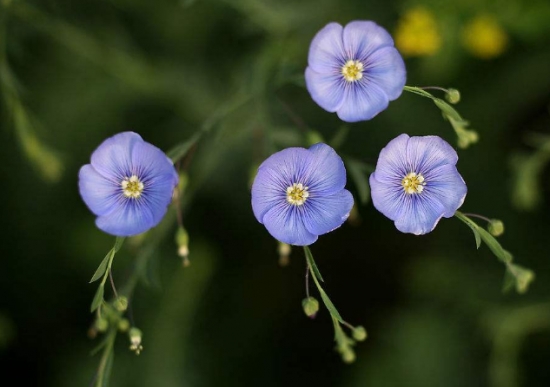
(432, 305)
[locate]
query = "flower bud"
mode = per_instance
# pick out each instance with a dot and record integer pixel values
(496, 227)
(452, 96)
(121, 304)
(182, 240)
(123, 325)
(284, 254)
(310, 306)
(101, 324)
(359, 333)
(135, 340)
(348, 356)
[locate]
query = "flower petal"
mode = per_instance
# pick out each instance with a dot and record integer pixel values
(429, 152)
(392, 165)
(362, 101)
(445, 185)
(100, 194)
(130, 217)
(325, 172)
(326, 89)
(112, 158)
(419, 215)
(387, 196)
(326, 52)
(285, 223)
(268, 190)
(148, 160)
(362, 38)
(325, 213)
(385, 68)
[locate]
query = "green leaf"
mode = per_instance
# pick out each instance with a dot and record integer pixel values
(330, 306)
(358, 172)
(181, 150)
(312, 264)
(495, 247)
(118, 243)
(102, 267)
(98, 298)
(473, 226)
(449, 110)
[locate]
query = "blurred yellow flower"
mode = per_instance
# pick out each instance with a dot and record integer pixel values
(417, 33)
(484, 37)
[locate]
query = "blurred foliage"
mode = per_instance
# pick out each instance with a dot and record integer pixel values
(223, 80)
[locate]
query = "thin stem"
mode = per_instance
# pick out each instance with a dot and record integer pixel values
(478, 216)
(433, 88)
(107, 352)
(307, 281)
(113, 283)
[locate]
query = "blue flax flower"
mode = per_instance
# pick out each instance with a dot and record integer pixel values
(298, 194)
(354, 71)
(416, 183)
(128, 185)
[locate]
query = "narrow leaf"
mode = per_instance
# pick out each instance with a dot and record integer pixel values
(358, 172)
(330, 306)
(98, 298)
(181, 150)
(102, 267)
(118, 243)
(473, 226)
(495, 247)
(312, 264)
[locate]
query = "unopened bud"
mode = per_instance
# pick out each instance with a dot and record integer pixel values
(101, 324)
(135, 340)
(121, 304)
(452, 96)
(284, 254)
(348, 356)
(182, 240)
(310, 306)
(123, 325)
(496, 227)
(359, 333)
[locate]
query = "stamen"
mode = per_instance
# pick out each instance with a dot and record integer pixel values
(413, 183)
(132, 187)
(352, 70)
(297, 194)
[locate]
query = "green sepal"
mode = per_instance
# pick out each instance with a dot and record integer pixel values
(330, 306)
(98, 298)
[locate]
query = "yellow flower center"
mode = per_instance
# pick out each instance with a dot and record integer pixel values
(132, 187)
(352, 70)
(413, 183)
(297, 194)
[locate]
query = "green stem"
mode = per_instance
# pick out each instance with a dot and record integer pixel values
(103, 371)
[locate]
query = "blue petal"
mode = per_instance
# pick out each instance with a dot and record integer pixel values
(445, 185)
(148, 160)
(419, 215)
(386, 69)
(325, 213)
(112, 158)
(362, 38)
(131, 217)
(362, 101)
(326, 52)
(325, 172)
(387, 196)
(429, 152)
(326, 89)
(268, 190)
(100, 194)
(285, 223)
(392, 165)
(158, 194)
